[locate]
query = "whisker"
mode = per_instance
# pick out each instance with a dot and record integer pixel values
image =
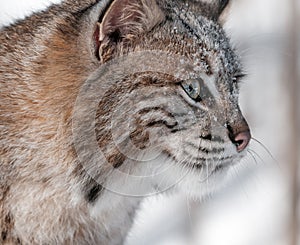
(210, 174)
(268, 152)
(251, 154)
(189, 213)
(256, 154)
(219, 160)
(183, 164)
(207, 177)
(198, 152)
(265, 148)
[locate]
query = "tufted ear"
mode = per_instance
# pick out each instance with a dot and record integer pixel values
(213, 9)
(221, 7)
(125, 20)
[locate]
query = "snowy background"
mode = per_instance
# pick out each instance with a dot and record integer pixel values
(255, 206)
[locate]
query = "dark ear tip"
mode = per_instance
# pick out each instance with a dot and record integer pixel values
(223, 4)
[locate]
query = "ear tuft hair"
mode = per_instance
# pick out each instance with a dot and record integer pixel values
(213, 9)
(222, 6)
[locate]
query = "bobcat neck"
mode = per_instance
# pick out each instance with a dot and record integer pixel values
(117, 216)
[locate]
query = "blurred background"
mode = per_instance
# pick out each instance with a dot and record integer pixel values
(260, 203)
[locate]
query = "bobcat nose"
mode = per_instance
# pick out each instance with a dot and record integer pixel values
(241, 140)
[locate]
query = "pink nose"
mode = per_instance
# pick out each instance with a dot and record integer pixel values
(241, 140)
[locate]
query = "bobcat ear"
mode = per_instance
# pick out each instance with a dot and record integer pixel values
(125, 20)
(222, 7)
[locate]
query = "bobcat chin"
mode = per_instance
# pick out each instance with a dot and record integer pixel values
(151, 85)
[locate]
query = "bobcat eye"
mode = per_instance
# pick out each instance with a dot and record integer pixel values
(193, 88)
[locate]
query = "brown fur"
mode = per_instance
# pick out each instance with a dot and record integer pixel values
(42, 67)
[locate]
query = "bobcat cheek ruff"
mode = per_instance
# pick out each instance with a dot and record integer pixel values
(94, 93)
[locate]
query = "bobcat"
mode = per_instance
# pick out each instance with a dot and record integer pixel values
(167, 116)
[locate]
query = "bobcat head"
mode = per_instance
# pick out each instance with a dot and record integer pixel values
(164, 103)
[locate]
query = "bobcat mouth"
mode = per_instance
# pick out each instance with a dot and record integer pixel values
(213, 164)
(227, 163)
(222, 167)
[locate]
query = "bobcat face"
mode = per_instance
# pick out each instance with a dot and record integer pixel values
(173, 115)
